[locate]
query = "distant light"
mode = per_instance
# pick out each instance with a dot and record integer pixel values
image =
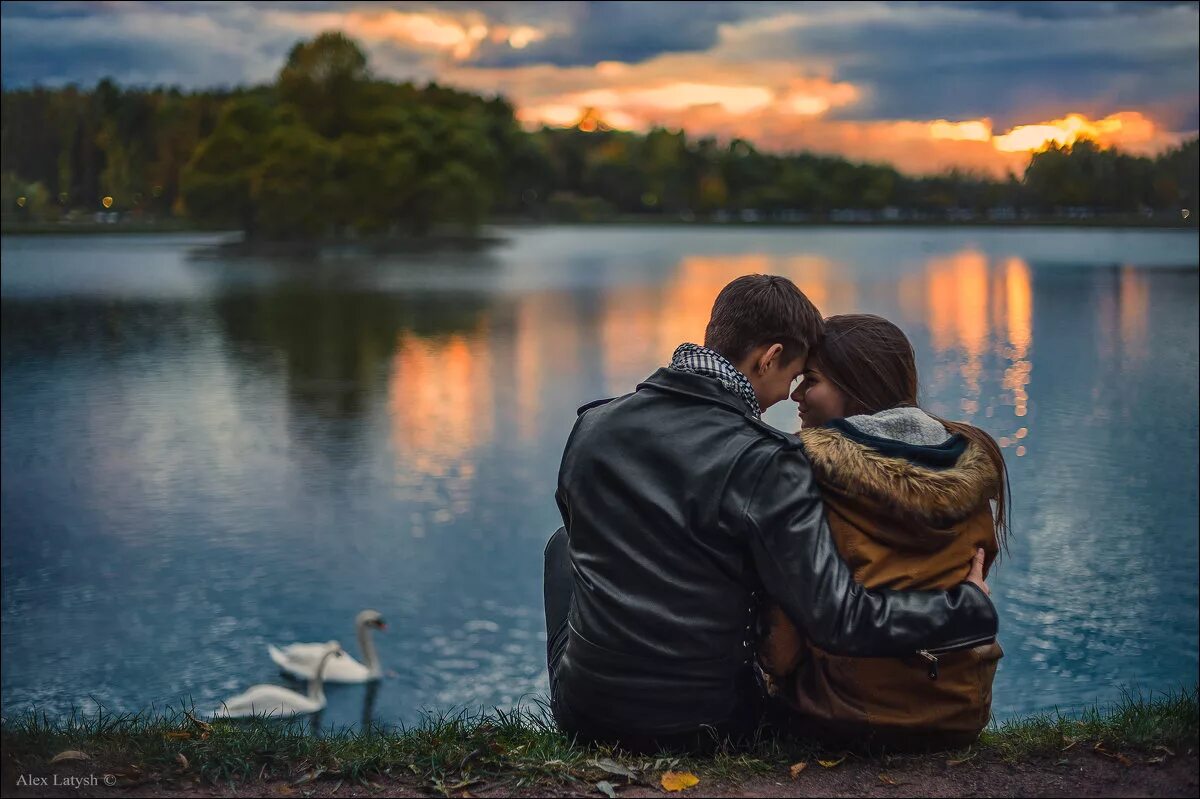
(20, 202)
(107, 202)
(1185, 213)
(1020, 451)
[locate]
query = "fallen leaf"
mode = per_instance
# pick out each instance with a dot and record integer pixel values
(605, 787)
(203, 725)
(181, 760)
(832, 763)
(308, 776)
(887, 780)
(797, 768)
(284, 790)
(1166, 749)
(1158, 759)
(960, 761)
(178, 735)
(613, 767)
(70, 754)
(678, 780)
(1117, 756)
(1070, 742)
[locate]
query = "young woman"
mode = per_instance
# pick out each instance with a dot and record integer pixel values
(909, 498)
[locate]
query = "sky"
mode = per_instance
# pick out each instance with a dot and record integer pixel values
(922, 85)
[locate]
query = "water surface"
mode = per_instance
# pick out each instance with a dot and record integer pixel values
(203, 455)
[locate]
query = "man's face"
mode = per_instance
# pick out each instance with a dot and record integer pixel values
(777, 378)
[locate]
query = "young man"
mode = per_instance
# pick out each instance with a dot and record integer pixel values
(680, 507)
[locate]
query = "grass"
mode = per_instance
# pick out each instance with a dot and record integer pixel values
(516, 748)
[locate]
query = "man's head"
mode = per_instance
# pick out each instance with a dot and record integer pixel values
(766, 327)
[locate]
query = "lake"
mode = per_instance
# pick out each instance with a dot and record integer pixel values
(204, 455)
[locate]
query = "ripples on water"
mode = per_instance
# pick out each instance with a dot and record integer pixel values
(201, 456)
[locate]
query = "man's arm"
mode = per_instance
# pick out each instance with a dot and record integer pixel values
(801, 569)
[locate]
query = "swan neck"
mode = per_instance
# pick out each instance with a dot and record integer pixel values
(316, 687)
(366, 644)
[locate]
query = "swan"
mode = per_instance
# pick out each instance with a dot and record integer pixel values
(300, 660)
(275, 700)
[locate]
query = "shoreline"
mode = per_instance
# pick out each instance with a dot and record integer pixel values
(1134, 747)
(482, 239)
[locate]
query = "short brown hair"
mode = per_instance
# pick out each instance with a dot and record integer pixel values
(763, 309)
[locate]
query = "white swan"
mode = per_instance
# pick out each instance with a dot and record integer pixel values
(300, 660)
(275, 700)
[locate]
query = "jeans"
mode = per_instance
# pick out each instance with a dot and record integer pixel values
(557, 587)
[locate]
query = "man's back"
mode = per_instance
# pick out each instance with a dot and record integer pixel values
(664, 601)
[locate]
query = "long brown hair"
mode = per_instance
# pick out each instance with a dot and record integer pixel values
(872, 363)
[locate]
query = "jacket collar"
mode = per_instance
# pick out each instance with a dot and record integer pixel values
(898, 483)
(700, 387)
(931, 456)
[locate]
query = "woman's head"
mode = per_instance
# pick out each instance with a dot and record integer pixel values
(865, 364)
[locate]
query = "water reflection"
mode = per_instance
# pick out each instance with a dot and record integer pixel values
(244, 452)
(1134, 302)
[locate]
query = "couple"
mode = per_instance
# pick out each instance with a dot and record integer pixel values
(714, 573)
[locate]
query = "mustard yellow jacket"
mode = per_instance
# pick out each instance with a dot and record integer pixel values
(899, 523)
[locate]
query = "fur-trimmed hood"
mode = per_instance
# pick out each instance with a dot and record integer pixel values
(893, 486)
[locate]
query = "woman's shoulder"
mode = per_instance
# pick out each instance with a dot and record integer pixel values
(938, 484)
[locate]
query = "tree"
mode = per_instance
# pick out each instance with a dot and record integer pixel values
(324, 80)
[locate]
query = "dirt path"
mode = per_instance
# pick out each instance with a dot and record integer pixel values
(1076, 773)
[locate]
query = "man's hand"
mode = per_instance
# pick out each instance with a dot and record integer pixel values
(975, 575)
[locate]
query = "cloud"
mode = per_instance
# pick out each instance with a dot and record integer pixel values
(972, 60)
(925, 85)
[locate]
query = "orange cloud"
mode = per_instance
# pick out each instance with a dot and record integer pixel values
(774, 105)
(1127, 129)
(971, 130)
(458, 35)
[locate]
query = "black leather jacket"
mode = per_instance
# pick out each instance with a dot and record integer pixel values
(680, 508)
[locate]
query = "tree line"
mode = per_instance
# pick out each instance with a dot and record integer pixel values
(329, 150)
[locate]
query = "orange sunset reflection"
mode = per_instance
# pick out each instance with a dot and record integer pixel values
(640, 325)
(1134, 302)
(440, 402)
(1018, 293)
(957, 310)
(974, 310)
(547, 338)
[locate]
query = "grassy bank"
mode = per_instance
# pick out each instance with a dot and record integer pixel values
(522, 748)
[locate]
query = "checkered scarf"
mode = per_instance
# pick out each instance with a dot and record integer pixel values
(703, 361)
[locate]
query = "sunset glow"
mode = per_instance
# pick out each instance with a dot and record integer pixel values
(460, 35)
(1059, 131)
(925, 87)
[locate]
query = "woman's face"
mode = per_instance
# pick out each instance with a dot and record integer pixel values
(818, 399)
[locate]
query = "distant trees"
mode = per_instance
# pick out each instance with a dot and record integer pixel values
(1084, 174)
(329, 150)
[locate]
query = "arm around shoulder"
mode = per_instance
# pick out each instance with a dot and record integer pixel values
(780, 508)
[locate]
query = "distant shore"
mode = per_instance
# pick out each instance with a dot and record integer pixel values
(466, 240)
